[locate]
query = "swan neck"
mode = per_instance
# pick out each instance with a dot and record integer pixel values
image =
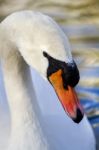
(18, 87)
(24, 110)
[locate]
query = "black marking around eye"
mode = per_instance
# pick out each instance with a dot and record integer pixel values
(70, 73)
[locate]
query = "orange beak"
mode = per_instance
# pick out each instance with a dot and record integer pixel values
(67, 97)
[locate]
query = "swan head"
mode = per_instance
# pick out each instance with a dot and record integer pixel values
(49, 53)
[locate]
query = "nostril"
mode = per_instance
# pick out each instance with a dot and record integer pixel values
(79, 116)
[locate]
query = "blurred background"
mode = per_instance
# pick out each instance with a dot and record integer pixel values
(80, 22)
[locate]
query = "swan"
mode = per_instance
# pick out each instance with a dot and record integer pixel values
(33, 39)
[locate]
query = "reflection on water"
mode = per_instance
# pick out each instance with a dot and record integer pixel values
(64, 11)
(80, 21)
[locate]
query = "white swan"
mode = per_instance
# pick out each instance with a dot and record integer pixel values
(31, 38)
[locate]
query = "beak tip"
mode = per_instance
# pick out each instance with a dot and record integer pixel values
(79, 116)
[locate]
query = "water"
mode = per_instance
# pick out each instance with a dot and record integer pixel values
(80, 22)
